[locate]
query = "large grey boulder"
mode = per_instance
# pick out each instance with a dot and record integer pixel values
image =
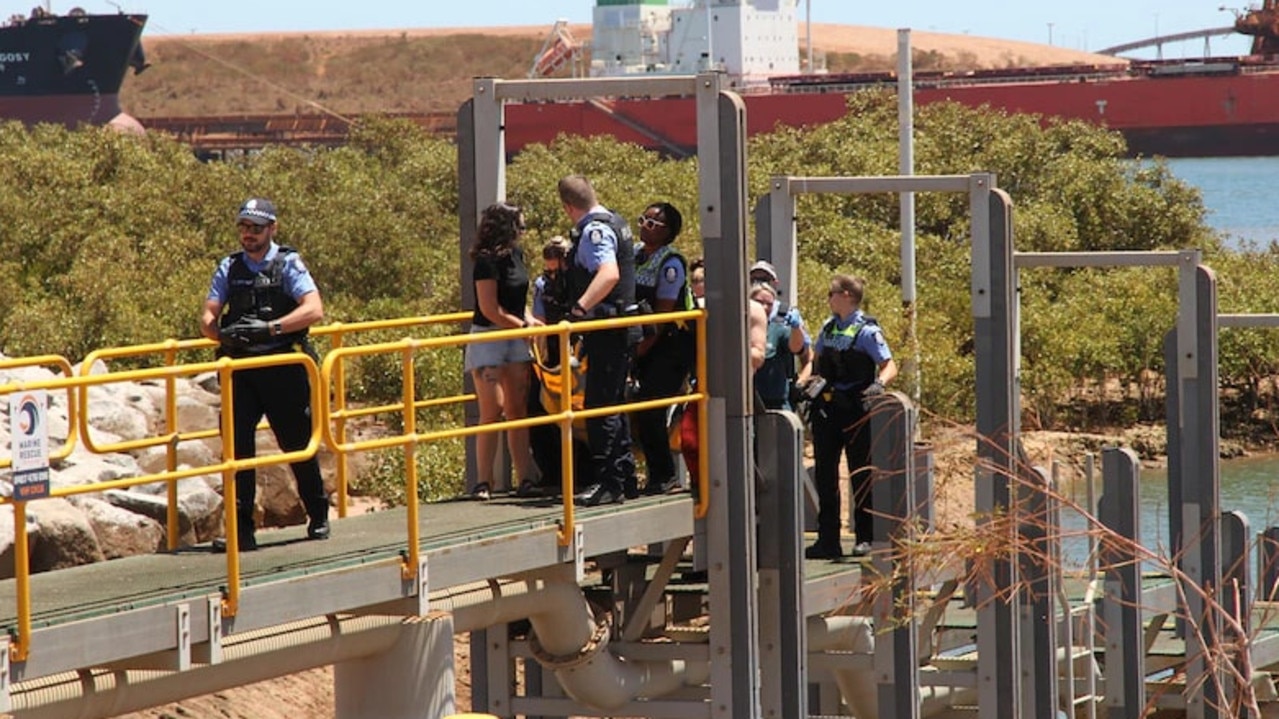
(63, 536)
(120, 533)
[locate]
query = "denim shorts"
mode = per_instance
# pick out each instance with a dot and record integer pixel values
(495, 354)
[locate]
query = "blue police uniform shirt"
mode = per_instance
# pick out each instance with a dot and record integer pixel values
(295, 278)
(599, 243)
(871, 343)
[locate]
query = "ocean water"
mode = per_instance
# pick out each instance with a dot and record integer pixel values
(1238, 192)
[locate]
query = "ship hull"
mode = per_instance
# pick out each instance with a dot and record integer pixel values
(67, 69)
(69, 110)
(1234, 112)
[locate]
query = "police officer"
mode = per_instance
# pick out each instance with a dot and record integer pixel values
(854, 362)
(602, 278)
(270, 301)
(665, 355)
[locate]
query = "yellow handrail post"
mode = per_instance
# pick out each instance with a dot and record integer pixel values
(171, 448)
(567, 481)
(231, 600)
(22, 578)
(409, 570)
(339, 399)
(703, 421)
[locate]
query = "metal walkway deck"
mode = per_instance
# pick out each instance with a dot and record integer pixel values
(111, 612)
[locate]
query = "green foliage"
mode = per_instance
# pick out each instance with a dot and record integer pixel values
(111, 240)
(441, 473)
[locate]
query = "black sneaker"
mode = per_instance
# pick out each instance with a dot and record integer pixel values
(822, 550)
(528, 490)
(247, 543)
(318, 528)
(596, 495)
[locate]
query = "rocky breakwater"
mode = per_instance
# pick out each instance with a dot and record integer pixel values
(96, 526)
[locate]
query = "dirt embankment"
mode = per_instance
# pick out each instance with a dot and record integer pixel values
(430, 70)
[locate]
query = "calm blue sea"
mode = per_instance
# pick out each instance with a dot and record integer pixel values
(1247, 485)
(1238, 192)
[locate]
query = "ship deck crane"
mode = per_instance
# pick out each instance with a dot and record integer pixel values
(560, 48)
(1263, 25)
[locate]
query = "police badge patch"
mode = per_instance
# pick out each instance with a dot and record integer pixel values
(671, 274)
(596, 236)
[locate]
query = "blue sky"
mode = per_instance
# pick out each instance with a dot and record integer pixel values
(1079, 24)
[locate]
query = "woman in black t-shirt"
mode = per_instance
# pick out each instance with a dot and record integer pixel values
(500, 368)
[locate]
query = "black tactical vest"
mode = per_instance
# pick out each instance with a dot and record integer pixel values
(622, 296)
(260, 295)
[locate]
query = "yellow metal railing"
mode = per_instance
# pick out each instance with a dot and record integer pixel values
(410, 437)
(228, 467)
(337, 334)
(328, 395)
(171, 436)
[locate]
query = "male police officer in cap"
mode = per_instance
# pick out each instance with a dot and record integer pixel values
(270, 300)
(602, 278)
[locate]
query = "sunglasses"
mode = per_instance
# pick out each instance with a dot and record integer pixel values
(650, 223)
(249, 228)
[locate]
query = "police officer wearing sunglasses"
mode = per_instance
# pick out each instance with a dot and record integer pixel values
(853, 365)
(270, 301)
(665, 355)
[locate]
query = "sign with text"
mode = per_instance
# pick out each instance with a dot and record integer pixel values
(29, 432)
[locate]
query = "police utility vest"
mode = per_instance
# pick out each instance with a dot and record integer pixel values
(260, 295)
(622, 296)
(840, 363)
(648, 275)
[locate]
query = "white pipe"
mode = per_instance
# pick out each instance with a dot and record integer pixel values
(858, 686)
(568, 640)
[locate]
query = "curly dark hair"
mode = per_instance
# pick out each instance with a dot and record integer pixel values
(499, 232)
(671, 216)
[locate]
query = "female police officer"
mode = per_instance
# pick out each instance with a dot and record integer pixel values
(854, 362)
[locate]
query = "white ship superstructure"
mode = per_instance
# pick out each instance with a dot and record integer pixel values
(749, 40)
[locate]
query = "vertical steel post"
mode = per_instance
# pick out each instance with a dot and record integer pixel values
(1199, 427)
(1119, 510)
(893, 502)
(782, 636)
(721, 142)
(994, 312)
(1036, 510)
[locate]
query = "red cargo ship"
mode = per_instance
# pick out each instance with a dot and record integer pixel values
(1210, 107)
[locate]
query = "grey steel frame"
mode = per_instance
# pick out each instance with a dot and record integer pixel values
(1013, 624)
(728, 534)
(993, 308)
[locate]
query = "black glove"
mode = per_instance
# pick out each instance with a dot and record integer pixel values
(245, 331)
(873, 390)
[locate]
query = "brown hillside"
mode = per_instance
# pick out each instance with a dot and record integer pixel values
(430, 70)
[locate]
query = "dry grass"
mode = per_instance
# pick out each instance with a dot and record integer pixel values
(422, 71)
